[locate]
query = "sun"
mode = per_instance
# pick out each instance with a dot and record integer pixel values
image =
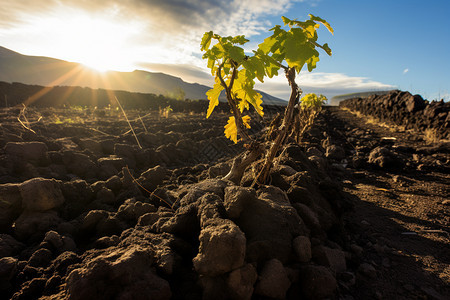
(99, 42)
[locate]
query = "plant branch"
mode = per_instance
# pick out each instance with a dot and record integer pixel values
(280, 139)
(233, 104)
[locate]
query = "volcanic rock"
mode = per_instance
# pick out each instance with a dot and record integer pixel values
(222, 248)
(39, 194)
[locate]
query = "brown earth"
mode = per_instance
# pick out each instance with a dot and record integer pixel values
(401, 214)
(359, 210)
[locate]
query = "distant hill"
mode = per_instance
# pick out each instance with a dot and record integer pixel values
(46, 71)
(336, 99)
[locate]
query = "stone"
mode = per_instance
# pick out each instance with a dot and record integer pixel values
(106, 196)
(335, 152)
(328, 257)
(29, 151)
(415, 103)
(132, 210)
(106, 242)
(78, 195)
(109, 166)
(273, 280)
(270, 223)
(109, 226)
(368, 270)
(308, 216)
(148, 219)
(68, 244)
(61, 263)
(222, 248)
(53, 283)
(358, 250)
(10, 205)
(317, 282)
(118, 274)
(39, 194)
(209, 209)
(184, 223)
(79, 164)
(114, 183)
(236, 199)
(127, 152)
(91, 145)
(153, 177)
(195, 191)
(31, 289)
(8, 267)
(92, 218)
(384, 158)
(54, 239)
(40, 258)
(240, 282)
(9, 246)
(302, 248)
(35, 224)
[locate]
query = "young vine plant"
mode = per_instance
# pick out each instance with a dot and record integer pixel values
(236, 72)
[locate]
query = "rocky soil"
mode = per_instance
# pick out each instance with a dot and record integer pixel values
(89, 211)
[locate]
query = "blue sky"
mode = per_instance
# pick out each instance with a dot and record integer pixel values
(377, 45)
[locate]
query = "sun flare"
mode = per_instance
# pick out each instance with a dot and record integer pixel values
(98, 42)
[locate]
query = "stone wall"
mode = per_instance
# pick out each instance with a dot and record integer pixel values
(402, 108)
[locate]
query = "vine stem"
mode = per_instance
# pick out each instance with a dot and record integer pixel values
(232, 103)
(280, 139)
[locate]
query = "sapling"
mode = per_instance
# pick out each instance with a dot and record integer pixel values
(235, 73)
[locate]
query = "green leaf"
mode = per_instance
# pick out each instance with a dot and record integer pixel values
(240, 39)
(312, 62)
(286, 21)
(271, 66)
(327, 49)
(206, 40)
(320, 20)
(236, 53)
(213, 97)
(297, 52)
(256, 67)
(267, 45)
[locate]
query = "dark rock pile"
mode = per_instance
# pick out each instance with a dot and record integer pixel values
(75, 224)
(404, 109)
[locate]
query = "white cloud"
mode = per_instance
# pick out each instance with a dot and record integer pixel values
(329, 84)
(405, 71)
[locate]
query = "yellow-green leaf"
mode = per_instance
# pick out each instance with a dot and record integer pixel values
(327, 49)
(206, 40)
(297, 52)
(312, 101)
(231, 129)
(267, 45)
(312, 62)
(285, 20)
(246, 121)
(213, 97)
(255, 66)
(243, 89)
(320, 20)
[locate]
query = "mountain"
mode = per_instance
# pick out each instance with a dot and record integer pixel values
(46, 71)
